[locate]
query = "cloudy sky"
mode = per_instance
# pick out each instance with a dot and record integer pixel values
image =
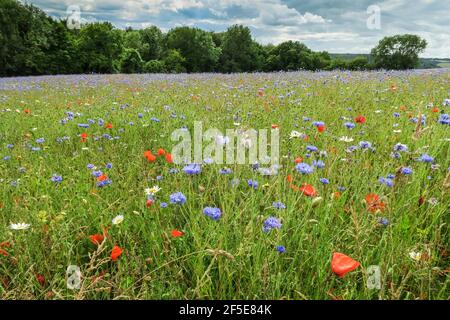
(339, 26)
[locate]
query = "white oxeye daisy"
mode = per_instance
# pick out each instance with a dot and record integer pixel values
(19, 226)
(346, 139)
(118, 219)
(153, 190)
(295, 134)
(415, 255)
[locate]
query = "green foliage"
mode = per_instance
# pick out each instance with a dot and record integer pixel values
(154, 66)
(398, 52)
(32, 43)
(131, 61)
(196, 46)
(174, 61)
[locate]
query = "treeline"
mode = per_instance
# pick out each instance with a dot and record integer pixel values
(32, 43)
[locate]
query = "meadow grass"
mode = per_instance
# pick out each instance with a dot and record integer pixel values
(228, 258)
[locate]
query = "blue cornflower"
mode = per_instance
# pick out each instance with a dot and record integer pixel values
(396, 114)
(341, 188)
(40, 140)
(35, 149)
(83, 125)
(140, 115)
(155, 119)
(6, 158)
(107, 136)
(100, 122)
(10, 146)
(319, 164)
(213, 213)
(365, 145)
(306, 119)
(351, 149)
(349, 125)
(192, 169)
(318, 123)
(97, 173)
(281, 249)
(90, 121)
(407, 171)
(90, 166)
(311, 148)
(386, 181)
(225, 171)
(444, 119)
(271, 223)
(103, 183)
(109, 166)
(390, 176)
(173, 170)
(425, 158)
(159, 178)
(253, 183)
(383, 221)
(400, 147)
(163, 205)
(177, 198)
(396, 155)
(279, 205)
(56, 178)
(324, 180)
(304, 168)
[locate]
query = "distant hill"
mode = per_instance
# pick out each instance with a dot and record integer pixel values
(425, 63)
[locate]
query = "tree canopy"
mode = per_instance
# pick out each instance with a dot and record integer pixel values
(32, 43)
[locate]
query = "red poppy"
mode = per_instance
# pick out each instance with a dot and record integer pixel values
(342, 264)
(83, 137)
(373, 202)
(41, 279)
(176, 233)
(97, 238)
(102, 178)
(161, 152)
(336, 195)
(435, 110)
(27, 111)
(115, 253)
(298, 160)
(421, 201)
(149, 156)
(109, 126)
(3, 252)
(289, 178)
(308, 190)
(260, 93)
(169, 158)
(360, 119)
(149, 203)
(321, 128)
(274, 126)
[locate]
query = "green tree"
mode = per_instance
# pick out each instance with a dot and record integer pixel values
(100, 47)
(151, 39)
(154, 66)
(289, 55)
(196, 46)
(358, 63)
(239, 51)
(174, 61)
(398, 52)
(131, 61)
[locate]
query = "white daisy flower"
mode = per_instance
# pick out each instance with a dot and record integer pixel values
(118, 219)
(346, 139)
(19, 226)
(295, 134)
(152, 190)
(416, 256)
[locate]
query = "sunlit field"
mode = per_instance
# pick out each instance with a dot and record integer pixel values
(87, 179)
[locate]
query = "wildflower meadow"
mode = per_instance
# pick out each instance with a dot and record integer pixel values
(97, 201)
